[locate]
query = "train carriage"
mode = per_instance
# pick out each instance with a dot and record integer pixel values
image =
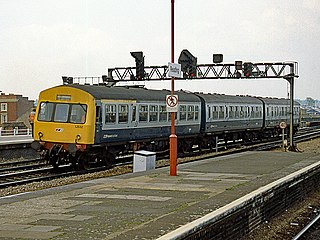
(278, 110)
(113, 120)
(232, 117)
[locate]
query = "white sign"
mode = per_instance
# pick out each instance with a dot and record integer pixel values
(174, 70)
(172, 103)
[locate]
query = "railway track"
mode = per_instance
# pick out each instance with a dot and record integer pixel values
(307, 231)
(35, 170)
(28, 164)
(44, 173)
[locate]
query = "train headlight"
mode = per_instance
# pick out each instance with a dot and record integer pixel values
(40, 134)
(78, 137)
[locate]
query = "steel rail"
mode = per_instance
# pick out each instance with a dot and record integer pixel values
(306, 228)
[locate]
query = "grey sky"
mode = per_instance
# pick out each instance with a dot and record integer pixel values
(41, 40)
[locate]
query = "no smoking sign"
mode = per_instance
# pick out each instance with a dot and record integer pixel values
(172, 103)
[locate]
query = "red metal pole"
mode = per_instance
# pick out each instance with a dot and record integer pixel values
(173, 137)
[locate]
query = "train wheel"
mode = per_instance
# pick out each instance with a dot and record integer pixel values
(184, 146)
(212, 144)
(54, 161)
(110, 159)
(83, 162)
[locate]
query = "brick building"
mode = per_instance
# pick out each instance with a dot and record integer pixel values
(14, 110)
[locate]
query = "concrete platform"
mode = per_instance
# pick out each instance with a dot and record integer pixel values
(18, 139)
(144, 205)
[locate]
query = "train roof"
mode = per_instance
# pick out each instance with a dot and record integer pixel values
(277, 101)
(221, 98)
(132, 93)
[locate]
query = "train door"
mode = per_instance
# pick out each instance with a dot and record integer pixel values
(98, 124)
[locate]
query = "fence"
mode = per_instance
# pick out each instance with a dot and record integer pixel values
(16, 132)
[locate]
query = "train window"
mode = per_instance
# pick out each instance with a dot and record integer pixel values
(257, 112)
(143, 113)
(252, 112)
(134, 113)
(215, 112)
(272, 112)
(123, 113)
(169, 117)
(78, 113)
(98, 114)
(221, 112)
(61, 113)
(237, 112)
(196, 113)
(183, 112)
(227, 112)
(241, 112)
(162, 113)
(46, 111)
(190, 113)
(153, 116)
(110, 113)
(231, 112)
(209, 112)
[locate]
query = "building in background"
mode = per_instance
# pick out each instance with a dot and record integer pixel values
(14, 111)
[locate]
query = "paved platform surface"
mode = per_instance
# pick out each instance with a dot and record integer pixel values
(143, 205)
(5, 140)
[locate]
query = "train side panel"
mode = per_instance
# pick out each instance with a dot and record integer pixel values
(231, 113)
(278, 110)
(125, 121)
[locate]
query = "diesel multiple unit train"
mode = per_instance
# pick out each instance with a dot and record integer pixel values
(81, 124)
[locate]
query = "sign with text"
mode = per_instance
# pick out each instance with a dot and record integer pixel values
(174, 70)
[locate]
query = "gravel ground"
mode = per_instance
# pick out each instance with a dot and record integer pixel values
(284, 226)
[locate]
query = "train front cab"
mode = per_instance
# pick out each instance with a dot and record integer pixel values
(65, 124)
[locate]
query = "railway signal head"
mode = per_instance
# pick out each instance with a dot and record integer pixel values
(217, 58)
(139, 58)
(247, 69)
(67, 80)
(188, 64)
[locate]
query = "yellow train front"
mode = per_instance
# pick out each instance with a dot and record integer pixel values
(64, 125)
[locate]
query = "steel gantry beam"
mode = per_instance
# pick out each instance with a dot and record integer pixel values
(205, 71)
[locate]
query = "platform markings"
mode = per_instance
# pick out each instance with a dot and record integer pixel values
(125, 197)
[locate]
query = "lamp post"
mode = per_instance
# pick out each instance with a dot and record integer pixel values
(173, 136)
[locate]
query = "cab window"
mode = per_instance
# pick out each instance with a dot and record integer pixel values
(78, 113)
(61, 113)
(46, 111)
